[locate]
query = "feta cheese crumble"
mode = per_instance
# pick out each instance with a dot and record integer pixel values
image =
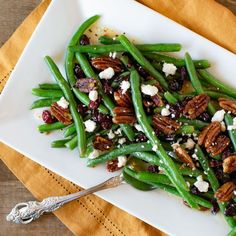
(138, 127)
(189, 144)
(155, 148)
(110, 134)
(90, 125)
(148, 89)
(218, 116)
(63, 103)
(121, 140)
(93, 95)
(169, 69)
(194, 156)
(201, 185)
(121, 161)
(107, 73)
(118, 131)
(95, 153)
(165, 111)
(125, 85)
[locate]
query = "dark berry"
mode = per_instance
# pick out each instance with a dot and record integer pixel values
(226, 153)
(84, 40)
(175, 84)
(215, 163)
(205, 117)
(47, 117)
(107, 87)
(81, 109)
(195, 190)
(183, 73)
(78, 72)
(176, 110)
(142, 72)
(230, 210)
(105, 121)
(141, 138)
(215, 207)
(153, 169)
(93, 105)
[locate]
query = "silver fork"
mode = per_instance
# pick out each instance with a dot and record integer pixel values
(26, 212)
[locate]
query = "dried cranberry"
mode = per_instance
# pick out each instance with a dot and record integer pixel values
(205, 117)
(47, 117)
(107, 87)
(230, 210)
(153, 169)
(215, 207)
(84, 40)
(215, 163)
(194, 190)
(175, 84)
(93, 105)
(226, 153)
(78, 72)
(141, 138)
(183, 73)
(104, 120)
(220, 175)
(142, 72)
(176, 110)
(81, 109)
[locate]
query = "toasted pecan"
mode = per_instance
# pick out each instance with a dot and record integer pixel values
(165, 124)
(112, 165)
(104, 62)
(123, 99)
(102, 144)
(225, 192)
(184, 156)
(123, 115)
(62, 114)
(196, 106)
(228, 105)
(229, 164)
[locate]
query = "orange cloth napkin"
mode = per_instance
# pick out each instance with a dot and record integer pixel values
(91, 215)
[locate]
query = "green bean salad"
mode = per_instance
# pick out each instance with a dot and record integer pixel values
(166, 122)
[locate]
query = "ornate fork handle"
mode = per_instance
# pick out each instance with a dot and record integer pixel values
(26, 212)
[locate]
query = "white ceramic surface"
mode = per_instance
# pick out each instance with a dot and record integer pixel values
(18, 127)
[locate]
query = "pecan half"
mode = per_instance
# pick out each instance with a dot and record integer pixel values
(123, 99)
(112, 165)
(103, 62)
(123, 115)
(196, 106)
(228, 105)
(102, 144)
(157, 99)
(86, 85)
(62, 114)
(229, 164)
(225, 192)
(219, 145)
(165, 124)
(209, 134)
(184, 156)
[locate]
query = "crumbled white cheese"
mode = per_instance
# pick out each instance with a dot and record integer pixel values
(93, 95)
(121, 161)
(189, 144)
(223, 126)
(118, 131)
(194, 156)
(155, 148)
(231, 127)
(63, 103)
(107, 73)
(125, 85)
(175, 145)
(121, 140)
(165, 111)
(169, 69)
(114, 55)
(148, 89)
(90, 125)
(138, 127)
(95, 153)
(234, 192)
(218, 116)
(110, 134)
(201, 185)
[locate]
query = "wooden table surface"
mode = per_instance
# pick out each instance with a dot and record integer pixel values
(12, 13)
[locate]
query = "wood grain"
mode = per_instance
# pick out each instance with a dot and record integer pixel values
(12, 13)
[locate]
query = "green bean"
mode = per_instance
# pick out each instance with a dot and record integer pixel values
(195, 81)
(71, 144)
(86, 67)
(135, 183)
(46, 102)
(80, 129)
(59, 143)
(47, 93)
(170, 98)
(198, 124)
(232, 133)
(217, 94)
(159, 47)
(162, 182)
(226, 89)
(125, 150)
(49, 86)
(200, 64)
(213, 181)
(169, 166)
(107, 40)
(186, 129)
(232, 232)
(116, 84)
(143, 61)
(69, 130)
(50, 127)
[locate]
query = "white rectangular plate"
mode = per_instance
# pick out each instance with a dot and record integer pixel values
(18, 127)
